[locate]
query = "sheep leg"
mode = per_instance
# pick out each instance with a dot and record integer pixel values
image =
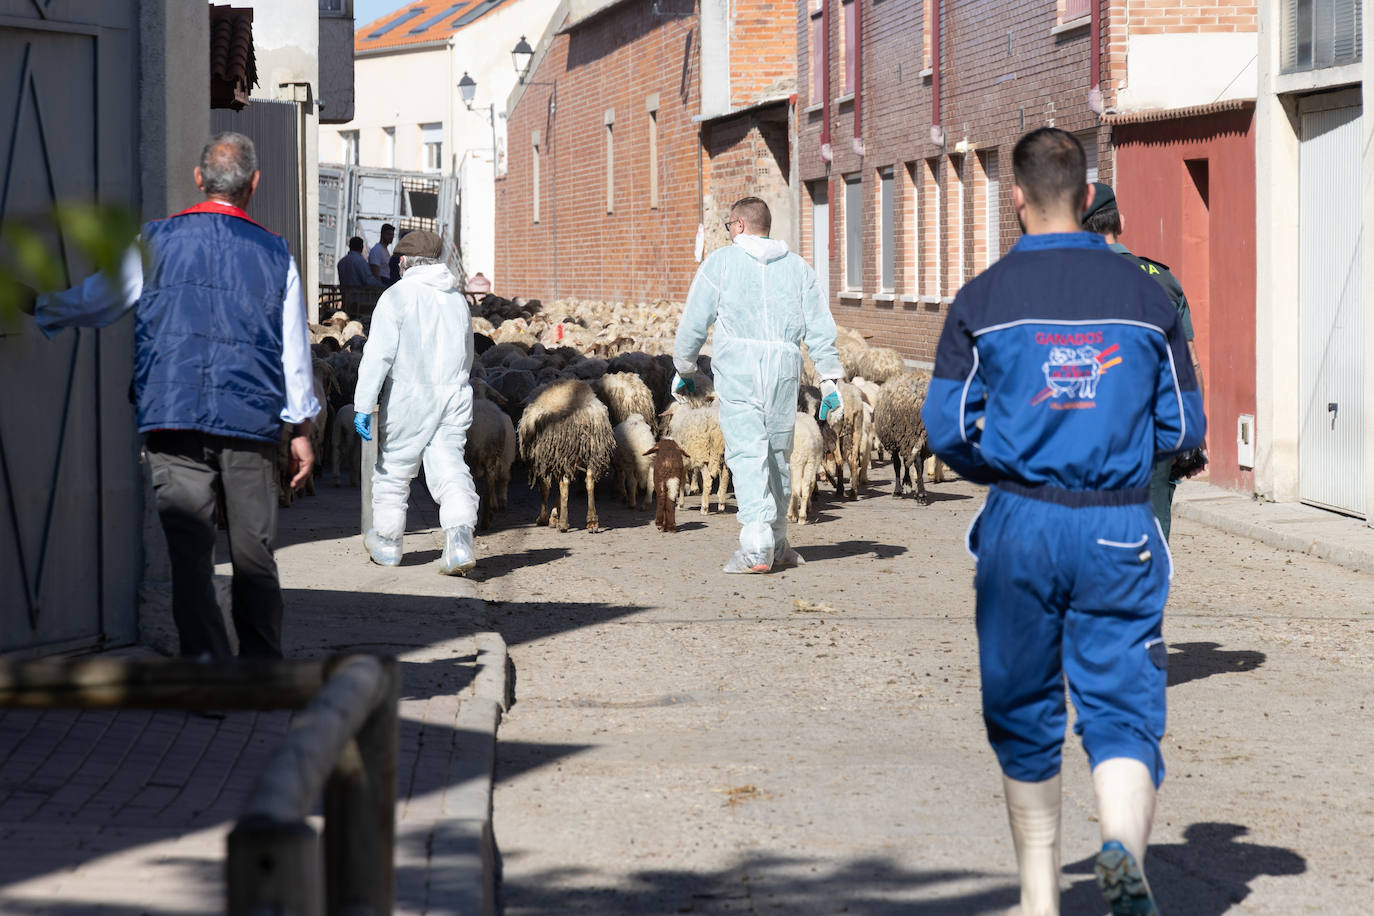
(708, 480)
(672, 486)
(852, 459)
(804, 508)
(543, 502)
(660, 506)
(896, 474)
(920, 463)
(593, 523)
(564, 484)
(484, 517)
(724, 483)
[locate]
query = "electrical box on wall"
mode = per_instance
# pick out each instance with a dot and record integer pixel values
(1245, 440)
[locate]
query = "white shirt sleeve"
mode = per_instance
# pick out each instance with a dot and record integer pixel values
(97, 302)
(301, 404)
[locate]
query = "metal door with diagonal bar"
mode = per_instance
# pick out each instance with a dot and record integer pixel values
(70, 491)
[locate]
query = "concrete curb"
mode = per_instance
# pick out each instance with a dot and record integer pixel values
(463, 868)
(1299, 528)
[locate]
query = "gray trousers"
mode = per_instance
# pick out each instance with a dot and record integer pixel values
(190, 470)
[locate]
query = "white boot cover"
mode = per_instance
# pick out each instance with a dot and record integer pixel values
(459, 555)
(1033, 810)
(1126, 810)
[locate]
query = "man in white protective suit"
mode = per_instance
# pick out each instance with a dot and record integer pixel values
(764, 302)
(417, 359)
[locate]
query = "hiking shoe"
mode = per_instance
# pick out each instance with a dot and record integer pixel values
(1123, 882)
(383, 551)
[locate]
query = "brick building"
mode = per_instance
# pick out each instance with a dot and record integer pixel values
(636, 125)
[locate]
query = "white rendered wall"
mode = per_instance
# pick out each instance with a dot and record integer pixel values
(1277, 320)
(286, 40)
(482, 50)
(402, 90)
(1180, 70)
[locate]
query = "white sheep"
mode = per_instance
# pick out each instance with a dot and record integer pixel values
(564, 431)
(869, 391)
(490, 452)
(633, 468)
(625, 394)
(807, 457)
(697, 430)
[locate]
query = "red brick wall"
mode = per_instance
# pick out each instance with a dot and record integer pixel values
(615, 62)
(1003, 73)
(763, 62)
(577, 249)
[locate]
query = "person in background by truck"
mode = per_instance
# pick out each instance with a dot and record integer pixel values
(353, 267)
(380, 255)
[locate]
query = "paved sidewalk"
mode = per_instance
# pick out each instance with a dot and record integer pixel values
(1346, 541)
(127, 811)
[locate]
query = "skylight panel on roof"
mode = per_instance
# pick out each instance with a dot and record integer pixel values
(477, 11)
(428, 23)
(399, 20)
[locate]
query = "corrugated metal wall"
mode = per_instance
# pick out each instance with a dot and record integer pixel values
(1331, 458)
(275, 128)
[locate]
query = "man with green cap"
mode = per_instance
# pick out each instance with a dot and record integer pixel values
(1104, 217)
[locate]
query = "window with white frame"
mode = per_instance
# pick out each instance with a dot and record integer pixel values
(853, 232)
(1089, 140)
(988, 191)
(816, 39)
(887, 233)
(849, 43)
(954, 224)
(432, 146)
(1316, 34)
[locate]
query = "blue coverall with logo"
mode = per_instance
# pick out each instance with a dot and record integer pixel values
(1061, 377)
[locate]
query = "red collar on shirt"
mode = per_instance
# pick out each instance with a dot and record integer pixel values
(222, 208)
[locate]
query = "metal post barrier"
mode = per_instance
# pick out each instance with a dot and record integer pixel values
(343, 744)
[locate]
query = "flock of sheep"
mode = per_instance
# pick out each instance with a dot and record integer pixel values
(579, 390)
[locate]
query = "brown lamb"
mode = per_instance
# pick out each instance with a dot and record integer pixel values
(668, 476)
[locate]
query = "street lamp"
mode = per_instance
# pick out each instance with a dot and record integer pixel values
(522, 54)
(467, 88)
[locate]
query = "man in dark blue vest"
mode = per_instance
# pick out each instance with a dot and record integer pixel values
(221, 362)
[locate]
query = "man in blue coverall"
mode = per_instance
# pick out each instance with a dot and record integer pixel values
(1061, 377)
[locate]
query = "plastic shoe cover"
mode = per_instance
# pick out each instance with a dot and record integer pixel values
(459, 555)
(384, 551)
(748, 562)
(1122, 882)
(784, 557)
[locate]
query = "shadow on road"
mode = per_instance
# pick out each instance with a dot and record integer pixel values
(1191, 661)
(1205, 875)
(821, 552)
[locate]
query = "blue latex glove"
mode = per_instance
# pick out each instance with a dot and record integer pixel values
(830, 401)
(683, 386)
(362, 422)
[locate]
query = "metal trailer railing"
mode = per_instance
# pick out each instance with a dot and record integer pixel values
(343, 743)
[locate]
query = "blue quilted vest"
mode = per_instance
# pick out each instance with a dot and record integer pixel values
(208, 328)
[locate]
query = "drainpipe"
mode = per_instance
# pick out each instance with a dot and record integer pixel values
(825, 84)
(858, 141)
(937, 136)
(1095, 93)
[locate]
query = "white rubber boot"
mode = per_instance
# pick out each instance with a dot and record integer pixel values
(459, 555)
(1125, 809)
(384, 551)
(1033, 810)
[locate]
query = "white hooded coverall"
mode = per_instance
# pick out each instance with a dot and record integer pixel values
(417, 360)
(764, 302)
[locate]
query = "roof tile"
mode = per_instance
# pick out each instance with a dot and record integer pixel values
(420, 22)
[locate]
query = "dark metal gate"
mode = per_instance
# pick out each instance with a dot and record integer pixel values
(70, 491)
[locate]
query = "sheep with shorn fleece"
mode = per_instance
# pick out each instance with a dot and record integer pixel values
(565, 430)
(489, 453)
(869, 392)
(633, 469)
(668, 474)
(808, 452)
(897, 422)
(697, 431)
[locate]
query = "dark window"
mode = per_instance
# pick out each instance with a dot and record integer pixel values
(428, 23)
(889, 233)
(398, 21)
